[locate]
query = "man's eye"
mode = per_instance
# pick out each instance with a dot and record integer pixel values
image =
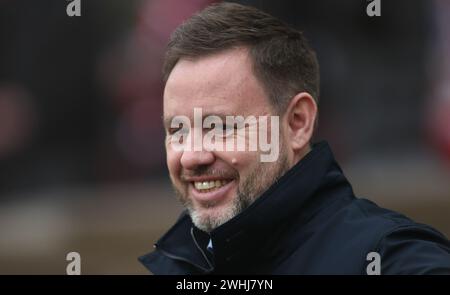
(172, 130)
(213, 126)
(223, 127)
(226, 127)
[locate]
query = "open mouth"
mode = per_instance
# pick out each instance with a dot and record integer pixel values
(212, 191)
(209, 186)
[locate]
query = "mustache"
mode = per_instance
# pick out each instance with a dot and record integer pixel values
(208, 171)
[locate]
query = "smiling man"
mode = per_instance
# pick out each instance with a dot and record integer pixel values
(293, 214)
(217, 185)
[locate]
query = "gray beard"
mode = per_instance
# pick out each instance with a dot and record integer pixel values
(255, 185)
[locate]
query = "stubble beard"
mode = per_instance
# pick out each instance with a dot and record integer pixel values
(258, 181)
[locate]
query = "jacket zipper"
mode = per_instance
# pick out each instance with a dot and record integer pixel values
(176, 257)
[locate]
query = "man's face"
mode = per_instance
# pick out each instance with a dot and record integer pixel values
(215, 186)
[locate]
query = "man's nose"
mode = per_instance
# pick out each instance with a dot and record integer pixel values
(192, 159)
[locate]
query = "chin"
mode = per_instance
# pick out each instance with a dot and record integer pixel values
(209, 218)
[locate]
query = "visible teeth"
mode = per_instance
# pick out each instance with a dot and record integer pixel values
(207, 185)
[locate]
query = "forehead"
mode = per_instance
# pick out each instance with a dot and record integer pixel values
(222, 83)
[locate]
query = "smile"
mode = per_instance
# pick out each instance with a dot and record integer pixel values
(208, 186)
(212, 191)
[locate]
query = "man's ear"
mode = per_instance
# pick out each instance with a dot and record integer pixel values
(300, 117)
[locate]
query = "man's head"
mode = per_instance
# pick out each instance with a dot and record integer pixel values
(232, 60)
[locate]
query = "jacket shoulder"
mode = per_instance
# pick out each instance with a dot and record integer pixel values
(405, 246)
(340, 237)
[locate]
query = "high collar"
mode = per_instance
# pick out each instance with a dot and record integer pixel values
(241, 238)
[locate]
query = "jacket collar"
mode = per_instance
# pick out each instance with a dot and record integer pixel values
(241, 237)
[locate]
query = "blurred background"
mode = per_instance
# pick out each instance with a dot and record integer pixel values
(82, 161)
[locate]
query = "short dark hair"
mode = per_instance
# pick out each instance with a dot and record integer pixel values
(282, 59)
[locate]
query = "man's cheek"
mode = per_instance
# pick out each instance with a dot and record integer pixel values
(243, 161)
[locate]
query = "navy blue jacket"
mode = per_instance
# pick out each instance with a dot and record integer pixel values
(308, 222)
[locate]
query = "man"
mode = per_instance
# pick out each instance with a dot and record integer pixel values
(247, 214)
